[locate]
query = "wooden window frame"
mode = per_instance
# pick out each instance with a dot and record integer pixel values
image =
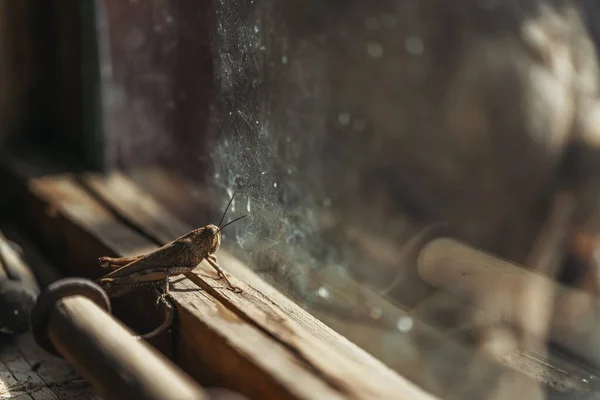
(260, 342)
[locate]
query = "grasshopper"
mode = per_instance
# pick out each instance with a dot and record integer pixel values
(177, 257)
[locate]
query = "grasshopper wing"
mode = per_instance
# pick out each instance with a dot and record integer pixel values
(174, 255)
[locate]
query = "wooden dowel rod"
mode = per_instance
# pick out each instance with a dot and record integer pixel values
(111, 359)
(494, 285)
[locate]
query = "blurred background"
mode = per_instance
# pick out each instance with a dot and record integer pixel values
(352, 133)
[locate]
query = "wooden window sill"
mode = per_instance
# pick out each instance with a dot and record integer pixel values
(258, 342)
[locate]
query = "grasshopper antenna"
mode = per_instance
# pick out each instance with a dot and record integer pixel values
(231, 222)
(227, 208)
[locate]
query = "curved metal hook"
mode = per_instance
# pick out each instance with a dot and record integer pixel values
(166, 324)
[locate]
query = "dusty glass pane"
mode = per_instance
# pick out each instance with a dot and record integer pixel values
(354, 133)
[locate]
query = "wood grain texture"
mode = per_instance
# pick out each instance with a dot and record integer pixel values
(413, 355)
(336, 358)
(340, 362)
(27, 372)
(207, 352)
(214, 345)
(262, 316)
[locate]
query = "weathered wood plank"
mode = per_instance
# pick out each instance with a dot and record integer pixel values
(76, 250)
(325, 350)
(48, 367)
(66, 198)
(55, 372)
(44, 393)
(408, 355)
(240, 355)
(19, 367)
(8, 382)
(341, 362)
(19, 379)
(128, 200)
(21, 397)
(273, 312)
(259, 352)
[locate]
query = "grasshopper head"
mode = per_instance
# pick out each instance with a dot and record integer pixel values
(212, 237)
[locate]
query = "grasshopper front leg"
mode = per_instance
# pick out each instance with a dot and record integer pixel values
(212, 260)
(118, 262)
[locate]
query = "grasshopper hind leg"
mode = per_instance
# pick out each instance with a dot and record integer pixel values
(115, 263)
(165, 292)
